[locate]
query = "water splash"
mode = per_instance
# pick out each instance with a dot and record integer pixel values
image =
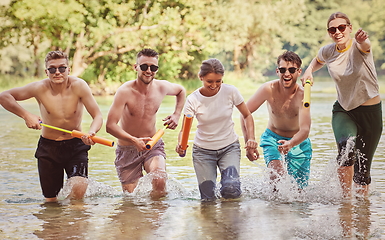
(94, 189)
(345, 151)
(323, 187)
(174, 188)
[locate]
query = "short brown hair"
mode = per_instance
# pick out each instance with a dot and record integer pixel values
(290, 56)
(338, 15)
(55, 55)
(147, 52)
(211, 65)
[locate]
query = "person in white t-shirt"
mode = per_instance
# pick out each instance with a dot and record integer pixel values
(216, 144)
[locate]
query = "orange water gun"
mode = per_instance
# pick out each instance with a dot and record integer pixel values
(186, 127)
(79, 134)
(155, 138)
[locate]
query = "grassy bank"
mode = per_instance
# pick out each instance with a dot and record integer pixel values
(9, 81)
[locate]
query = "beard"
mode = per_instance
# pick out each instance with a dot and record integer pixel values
(145, 80)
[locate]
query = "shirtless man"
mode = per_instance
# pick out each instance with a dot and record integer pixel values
(61, 99)
(135, 106)
(289, 122)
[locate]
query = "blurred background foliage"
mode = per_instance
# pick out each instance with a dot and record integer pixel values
(102, 37)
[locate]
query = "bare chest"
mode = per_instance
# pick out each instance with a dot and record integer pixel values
(284, 108)
(63, 106)
(143, 106)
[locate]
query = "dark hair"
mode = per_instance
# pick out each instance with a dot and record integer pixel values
(147, 52)
(211, 65)
(55, 55)
(290, 56)
(338, 15)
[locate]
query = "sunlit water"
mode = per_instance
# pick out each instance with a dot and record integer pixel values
(319, 212)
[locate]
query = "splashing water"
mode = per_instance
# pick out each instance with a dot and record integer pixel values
(94, 189)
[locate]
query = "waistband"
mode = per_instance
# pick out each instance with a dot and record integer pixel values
(133, 147)
(273, 134)
(365, 108)
(60, 142)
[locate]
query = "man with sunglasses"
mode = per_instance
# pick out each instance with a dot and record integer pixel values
(357, 113)
(286, 137)
(61, 99)
(132, 120)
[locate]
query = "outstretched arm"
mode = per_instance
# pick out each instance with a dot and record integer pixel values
(258, 98)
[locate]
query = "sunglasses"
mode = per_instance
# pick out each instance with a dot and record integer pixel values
(144, 67)
(52, 70)
(291, 70)
(341, 28)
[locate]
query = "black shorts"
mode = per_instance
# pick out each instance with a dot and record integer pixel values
(357, 133)
(54, 157)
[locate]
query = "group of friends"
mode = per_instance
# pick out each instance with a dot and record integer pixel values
(356, 120)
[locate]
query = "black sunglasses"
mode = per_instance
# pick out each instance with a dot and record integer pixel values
(52, 70)
(341, 28)
(144, 67)
(291, 70)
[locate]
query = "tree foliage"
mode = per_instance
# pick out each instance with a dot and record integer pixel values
(102, 37)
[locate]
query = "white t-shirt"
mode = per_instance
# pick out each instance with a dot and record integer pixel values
(215, 129)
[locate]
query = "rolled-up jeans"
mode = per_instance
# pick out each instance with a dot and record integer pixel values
(228, 161)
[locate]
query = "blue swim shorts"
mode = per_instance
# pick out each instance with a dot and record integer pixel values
(297, 159)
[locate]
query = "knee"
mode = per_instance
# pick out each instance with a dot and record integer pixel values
(207, 190)
(346, 151)
(231, 184)
(159, 174)
(79, 187)
(78, 181)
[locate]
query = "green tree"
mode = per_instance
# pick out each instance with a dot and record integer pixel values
(252, 33)
(96, 33)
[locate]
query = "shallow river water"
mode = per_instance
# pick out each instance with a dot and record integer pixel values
(106, 213)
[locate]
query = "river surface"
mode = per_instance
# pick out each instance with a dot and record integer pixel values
(319, 212)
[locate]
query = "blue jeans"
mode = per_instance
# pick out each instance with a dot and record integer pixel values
(228, 161)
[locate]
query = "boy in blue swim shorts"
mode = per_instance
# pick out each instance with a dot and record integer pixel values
(286, 137)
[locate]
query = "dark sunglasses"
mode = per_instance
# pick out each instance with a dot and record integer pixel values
(52, 70)
(144, 67)
(291, 70)
(341, 28)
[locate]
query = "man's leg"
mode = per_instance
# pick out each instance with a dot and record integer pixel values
(77, 174)
(79, 187)
(156, 166)
(276, 171)
(130, 187)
